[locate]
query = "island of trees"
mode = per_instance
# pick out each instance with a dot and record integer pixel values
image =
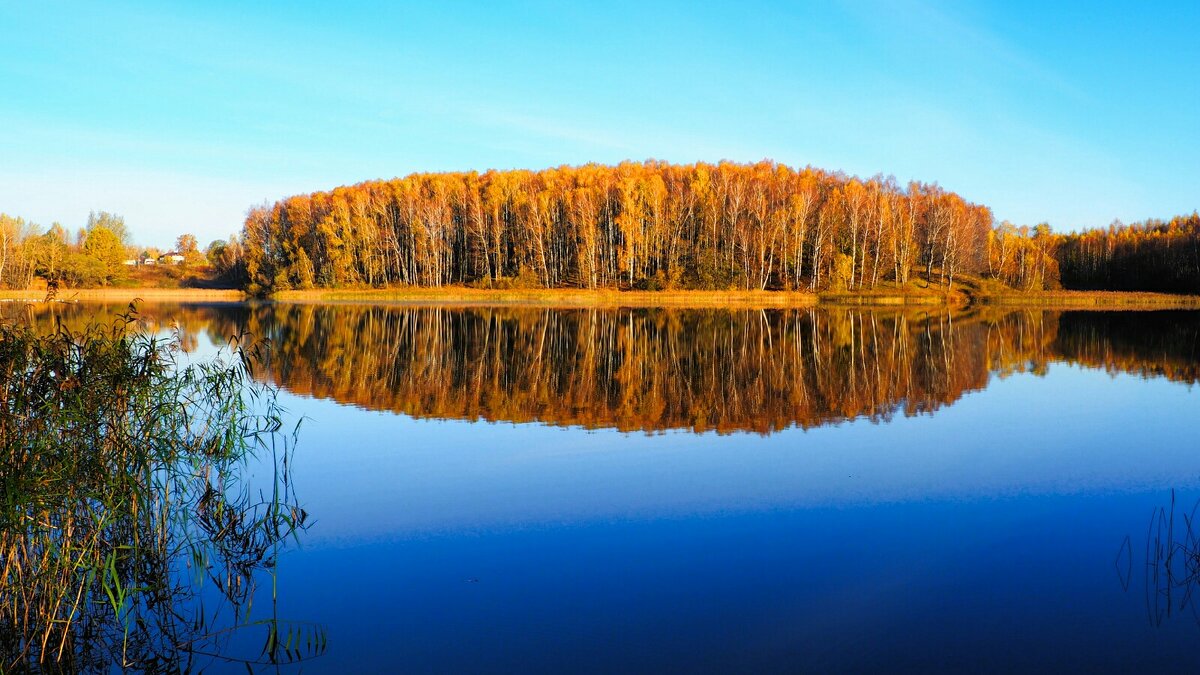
(648, 226)
(705, 226)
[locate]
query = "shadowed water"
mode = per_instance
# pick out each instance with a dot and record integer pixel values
(515, 489)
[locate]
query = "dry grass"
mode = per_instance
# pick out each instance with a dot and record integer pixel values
(970, 290)
(985, 291)
(554, 297)
(916, 293)
(1091, 300)
(887, 293)
(128, 294)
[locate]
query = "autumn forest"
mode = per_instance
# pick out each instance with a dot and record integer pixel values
(657, 225)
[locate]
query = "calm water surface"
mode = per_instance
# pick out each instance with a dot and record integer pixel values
(527, 490)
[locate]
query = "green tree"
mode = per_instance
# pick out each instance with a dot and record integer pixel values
(103, 246)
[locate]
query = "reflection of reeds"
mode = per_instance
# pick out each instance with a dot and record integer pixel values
(1171, 573)
(123, 498)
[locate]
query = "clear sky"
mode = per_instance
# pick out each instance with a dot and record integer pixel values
(182, 115)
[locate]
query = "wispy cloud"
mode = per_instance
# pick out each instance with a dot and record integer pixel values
(962, 37)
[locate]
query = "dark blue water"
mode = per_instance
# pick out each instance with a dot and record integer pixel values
(984, 537)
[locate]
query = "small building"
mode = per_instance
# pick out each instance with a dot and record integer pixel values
(171, 258)
(149, 261)
(131, 262)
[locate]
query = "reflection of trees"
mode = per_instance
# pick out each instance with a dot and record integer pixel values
(629, 369)
(1150, 344)
(184, 323)
(700, 369)
(658, 369)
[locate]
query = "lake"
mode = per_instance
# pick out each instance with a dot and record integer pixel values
(536, 490)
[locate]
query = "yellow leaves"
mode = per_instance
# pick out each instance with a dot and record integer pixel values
(761, 225)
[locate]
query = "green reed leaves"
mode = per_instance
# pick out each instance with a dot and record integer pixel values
(129, 532)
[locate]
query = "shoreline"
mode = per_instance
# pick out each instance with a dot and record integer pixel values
(127, 295)
(565, 298)
(1094, 300)
(574, 298)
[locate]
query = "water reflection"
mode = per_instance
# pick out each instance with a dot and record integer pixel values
(968, 538)
(702, 370)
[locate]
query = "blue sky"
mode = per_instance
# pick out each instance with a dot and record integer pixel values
(180, 116)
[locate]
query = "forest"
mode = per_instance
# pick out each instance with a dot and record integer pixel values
(656, 225)
(648, 226)
(1149, 256)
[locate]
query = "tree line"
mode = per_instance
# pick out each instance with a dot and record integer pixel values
(706, 226)
(98, 254)
(1154, 255)
(1149, 256)
(649, 225)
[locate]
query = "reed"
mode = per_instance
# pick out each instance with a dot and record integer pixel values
(129, 536)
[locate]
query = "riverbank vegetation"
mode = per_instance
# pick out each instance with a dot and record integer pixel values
(129, 537)
(555, 297)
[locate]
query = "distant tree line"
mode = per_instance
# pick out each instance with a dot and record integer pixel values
(1150, 256)
(98, 254)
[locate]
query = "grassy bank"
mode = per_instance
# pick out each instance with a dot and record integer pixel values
(984, 291)
(915, 292)
(885, 294)
(555, 297)
(970, 291)
(1090, 300)
(113, 294)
